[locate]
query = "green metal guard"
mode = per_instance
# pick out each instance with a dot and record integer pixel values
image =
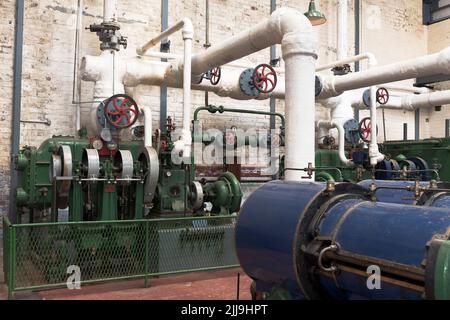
(36, 256)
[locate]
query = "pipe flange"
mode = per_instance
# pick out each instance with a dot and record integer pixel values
(197, 196)
(124, 162)
(149, 161)
(91, 163)
(246, 83)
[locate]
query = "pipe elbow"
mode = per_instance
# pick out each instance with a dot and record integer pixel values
(296, 32)
(188, 29)
(372, 59)
(444, 61)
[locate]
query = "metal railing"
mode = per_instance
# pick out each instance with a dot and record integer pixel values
(42, 256)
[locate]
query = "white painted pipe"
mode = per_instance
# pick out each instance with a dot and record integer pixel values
(148, 126)
(162, 55)
(183, 24)
(342, 51)
(341, 139)
(424, 66)
(430, 100)
(99, 69)
(299, 45)
(77, 64)
(184, 144)
(403, 88)
(409, 102)
(110, 11)
(188, 36)
(365, 56)
(374, 152)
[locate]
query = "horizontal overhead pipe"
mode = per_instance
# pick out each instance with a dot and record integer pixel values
(365, 56)
(409, 102)
(437, 63)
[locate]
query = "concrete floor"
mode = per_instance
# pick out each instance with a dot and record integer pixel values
(215, 285)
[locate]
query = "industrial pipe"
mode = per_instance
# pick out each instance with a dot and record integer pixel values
(183, 145)
(299, 44)
(148, 126)
(365, 56)
(341, 139)
(342, 51)
(221, 109)
(408, 102)
(110, 11)
(437, 63)
(374, 153)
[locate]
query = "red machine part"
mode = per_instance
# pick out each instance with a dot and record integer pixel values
(264, 78)
(365, 129)
(382, 96)
(216, 73)
(121, 111)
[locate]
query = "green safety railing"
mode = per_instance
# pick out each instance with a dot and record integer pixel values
(43, 256)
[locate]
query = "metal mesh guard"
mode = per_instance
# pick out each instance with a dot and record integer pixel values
(41, 253)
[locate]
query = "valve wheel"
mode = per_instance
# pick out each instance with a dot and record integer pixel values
(382, 96)
(216, 73)
(365, 129)
(264, 78)
(121, 111)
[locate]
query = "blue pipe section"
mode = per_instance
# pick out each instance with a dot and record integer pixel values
(272, 235)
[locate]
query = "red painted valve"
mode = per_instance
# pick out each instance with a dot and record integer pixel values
(264, 78)
(365, 129)
(121, 111)
(382, 96)
(215, 75)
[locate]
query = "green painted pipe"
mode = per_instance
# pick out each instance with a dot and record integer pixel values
(221, 109)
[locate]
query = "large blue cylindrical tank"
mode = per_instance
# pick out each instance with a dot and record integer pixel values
(283, 228)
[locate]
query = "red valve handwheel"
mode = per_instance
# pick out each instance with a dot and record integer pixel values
(264, 78)
(215, 75)
(121, 111)
(365, 129)
(382, 96)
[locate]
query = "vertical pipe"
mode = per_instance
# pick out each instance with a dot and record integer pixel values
(447, 128)
(417, 124)
(187, 76)
(342, 29)
(273, 56)
(163, 89)
(110, 11)
(76, 89)
(357, 6)
(405, 132)
(17, 105)
(207, 43)
(300, 99)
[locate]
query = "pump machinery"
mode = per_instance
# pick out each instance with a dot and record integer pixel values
(105, 178)
(365, 220)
